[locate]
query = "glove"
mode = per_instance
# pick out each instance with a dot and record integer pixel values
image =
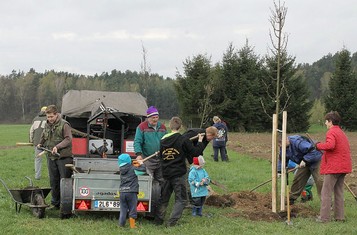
(197, 184)
(302, 164)
(136, 163)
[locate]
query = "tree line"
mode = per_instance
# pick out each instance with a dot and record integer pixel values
(240, 89)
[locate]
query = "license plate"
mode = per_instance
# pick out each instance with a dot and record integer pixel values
(106, 204)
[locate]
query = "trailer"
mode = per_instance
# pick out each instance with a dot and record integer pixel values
(104, 125)
(94, 186)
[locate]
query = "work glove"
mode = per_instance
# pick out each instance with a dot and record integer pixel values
(302, 164)
(136, 163)
(197, 184)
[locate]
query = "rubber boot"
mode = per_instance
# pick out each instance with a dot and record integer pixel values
(132, 223)
(199, 211)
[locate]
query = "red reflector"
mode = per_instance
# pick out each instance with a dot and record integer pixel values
(83, 204)
(141, 207)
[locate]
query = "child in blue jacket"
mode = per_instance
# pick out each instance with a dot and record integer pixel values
(198, 179)
(129, 189)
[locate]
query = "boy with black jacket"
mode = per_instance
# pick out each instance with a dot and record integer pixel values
(174, 150)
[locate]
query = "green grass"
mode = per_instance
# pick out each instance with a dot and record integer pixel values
(241, 174)
(316, 128)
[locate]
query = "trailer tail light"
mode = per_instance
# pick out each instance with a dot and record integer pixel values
(142, 206)
(83, 204)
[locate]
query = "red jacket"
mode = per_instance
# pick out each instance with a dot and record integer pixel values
(337, 156)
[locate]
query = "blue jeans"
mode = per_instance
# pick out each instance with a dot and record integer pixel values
(128, 202)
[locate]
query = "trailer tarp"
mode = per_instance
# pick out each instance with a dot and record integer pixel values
(85, 103)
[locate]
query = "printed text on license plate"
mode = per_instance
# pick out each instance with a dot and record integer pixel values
(106, 204)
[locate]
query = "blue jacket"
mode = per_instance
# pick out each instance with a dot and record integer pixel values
(222, 133)
(301, 148)
(195, 176)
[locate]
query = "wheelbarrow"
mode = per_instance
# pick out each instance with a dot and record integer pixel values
(33, 197)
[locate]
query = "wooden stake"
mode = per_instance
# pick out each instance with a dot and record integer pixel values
(274, 163)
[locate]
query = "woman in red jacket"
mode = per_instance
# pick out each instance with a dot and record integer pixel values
(335, 164)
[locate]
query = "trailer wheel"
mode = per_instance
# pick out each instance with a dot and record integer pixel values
(38, 200)
(66, 197)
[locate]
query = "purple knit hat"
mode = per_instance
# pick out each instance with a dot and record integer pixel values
(152, 111)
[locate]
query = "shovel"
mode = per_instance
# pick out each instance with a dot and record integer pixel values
(265, 182)
(219, 185)
(349, 189)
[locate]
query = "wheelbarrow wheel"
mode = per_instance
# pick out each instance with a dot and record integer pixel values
(39, 212)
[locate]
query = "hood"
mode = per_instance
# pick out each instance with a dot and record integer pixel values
(169, 139)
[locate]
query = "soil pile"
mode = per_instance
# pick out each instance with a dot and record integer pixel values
(256, 206)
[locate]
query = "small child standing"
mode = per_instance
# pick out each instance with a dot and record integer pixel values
(129, 189)
(198, 179)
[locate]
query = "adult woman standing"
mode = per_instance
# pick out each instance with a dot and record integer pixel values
(335, 164)
(219, 143)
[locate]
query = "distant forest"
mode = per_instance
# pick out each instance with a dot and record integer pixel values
(22, 93)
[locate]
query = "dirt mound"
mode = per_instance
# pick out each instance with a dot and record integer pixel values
(256, 206)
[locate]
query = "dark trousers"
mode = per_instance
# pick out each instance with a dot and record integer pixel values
(300, 179)
(56, 171)
(198, 205)
(128, 202)
(222, 151)
(153, 168)
(178, 186)
(198, 201)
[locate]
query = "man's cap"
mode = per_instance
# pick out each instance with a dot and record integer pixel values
(152, 111)
(43, 109)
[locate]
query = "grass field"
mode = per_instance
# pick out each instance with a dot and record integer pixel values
(240, 174)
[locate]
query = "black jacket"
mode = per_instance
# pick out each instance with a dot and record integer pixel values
(174, 149)
(194, 132)
(128, 179)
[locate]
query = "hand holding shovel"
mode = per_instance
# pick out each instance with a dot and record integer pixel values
(44, 150)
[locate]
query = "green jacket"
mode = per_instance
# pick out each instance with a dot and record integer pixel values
(53, 135)
(147, 139)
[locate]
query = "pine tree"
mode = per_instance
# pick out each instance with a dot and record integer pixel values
(191, 89)
(240, 75)
(294, 96)
(342, 91)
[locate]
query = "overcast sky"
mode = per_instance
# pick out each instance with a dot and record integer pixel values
(95, 36)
